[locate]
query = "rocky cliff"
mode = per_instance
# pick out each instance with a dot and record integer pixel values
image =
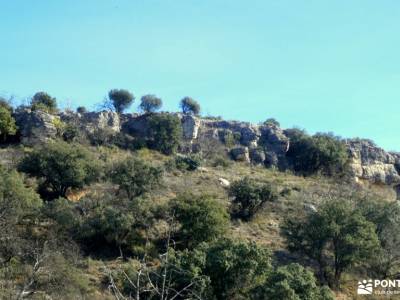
(257, 144)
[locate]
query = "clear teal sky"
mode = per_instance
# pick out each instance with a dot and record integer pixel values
(320, 65)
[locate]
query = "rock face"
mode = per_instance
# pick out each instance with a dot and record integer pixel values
(190, 127)
(371, 163)
(36, 126)
(257, 144)
(241, 154)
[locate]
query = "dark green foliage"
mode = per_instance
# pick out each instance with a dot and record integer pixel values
(6, 104)
(322, 153)
(187, 163)
(16, 199)
(121, 99)
(43, 101)
(221, 161)
(386, 217)
(236, 268)
(135, 177)
(248, 197)
(337, 237)
(150, 103)
(7, 123)
(61, 166)
(165, 133)
(190, 106)
(201, 219)
(292, 282)
(70, 133)
(81, 109)
(272, 121)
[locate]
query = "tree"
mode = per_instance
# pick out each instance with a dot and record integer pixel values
(235, 268)
(17, 202)
(248, 197)
(81, 109)
(7, 123)
(43, 101)
(201, 219)
(292, 282)
(323, 153)
(61, 166)
(272, 121)
(190, 106)
(165, 133)
(6, 104)
(336, 235)
(135, 177)
(121, 99)
(386, 217)
(150, 103)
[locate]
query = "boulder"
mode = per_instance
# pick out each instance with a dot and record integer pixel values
(241, 154)
(257, 156)
(36, 126)
(108, 120)
(190, 127)
(224, 182)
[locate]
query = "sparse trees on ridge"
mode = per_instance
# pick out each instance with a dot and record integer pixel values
(120, 99)
(150, 103)
(190, 106)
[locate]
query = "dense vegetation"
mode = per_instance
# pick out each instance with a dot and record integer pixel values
(100, 217)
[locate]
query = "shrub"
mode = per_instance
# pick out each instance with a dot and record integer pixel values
(248, 197)
(81, 109)
(150, 103)
(120, 99)
(322, 153)
(61, 166)
(135, 177)
(6, 104)
(165, 133)
(272, 121)
(236, 268)
(7, 123)
(187, 163)
(292, 282)
(201, 219)
(190, 106)
(70, 133)
(336, 236)
(43, 101)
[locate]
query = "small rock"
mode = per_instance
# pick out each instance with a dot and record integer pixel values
(224, 182)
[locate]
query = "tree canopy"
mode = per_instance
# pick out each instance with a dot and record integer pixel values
(121, 99)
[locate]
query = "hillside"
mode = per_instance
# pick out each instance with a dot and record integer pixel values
(108, 205)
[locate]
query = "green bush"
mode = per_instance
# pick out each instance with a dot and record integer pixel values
(337, 237)
(292, 282)
(236, 268)
(135, 177)
(7, 123)
(61, 166)
(248, 197)
(70, 133)
(272, 121)
(43, 101)
(187, 163)
(81, 109)
(323, 153)
(165, 133)
(201, 219)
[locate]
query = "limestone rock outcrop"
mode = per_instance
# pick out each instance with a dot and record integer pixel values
(371, 163)
(35, 126)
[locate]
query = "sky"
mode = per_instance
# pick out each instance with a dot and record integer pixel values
(325, 66)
